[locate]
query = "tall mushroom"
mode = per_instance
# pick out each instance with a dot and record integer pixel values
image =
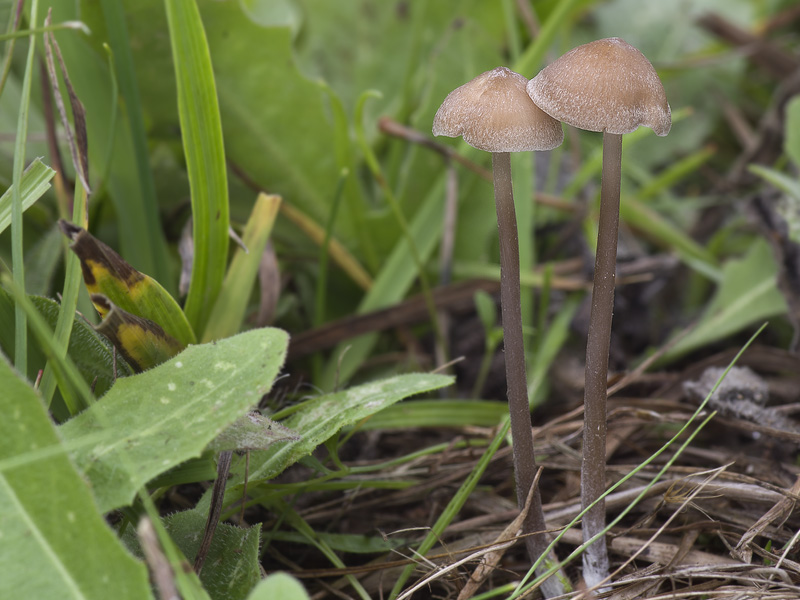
(610, 87)
(493, 112)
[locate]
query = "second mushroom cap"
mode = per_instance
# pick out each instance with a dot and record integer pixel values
(605, 85)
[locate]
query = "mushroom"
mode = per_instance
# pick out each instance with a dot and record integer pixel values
(493, 112)
(610, 87)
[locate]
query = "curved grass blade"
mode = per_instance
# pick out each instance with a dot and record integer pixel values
(231, 305)
(35, 182)
(201, 131)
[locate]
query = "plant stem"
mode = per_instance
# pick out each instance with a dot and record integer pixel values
(518, 407)
(593, 467)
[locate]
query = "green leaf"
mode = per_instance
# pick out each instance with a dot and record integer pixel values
(279, 585)
(231, 305)
(164, 416)
(320, 418)
(438, 413)
(90, 352)
(788, 185)
(748, 294)
(662, 231)
(792, 141)
(35, 182)
(54, 543)
(231, 569)
(204, 152)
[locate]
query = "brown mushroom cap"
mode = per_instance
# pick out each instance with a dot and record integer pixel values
(606, 85)
(493, 112)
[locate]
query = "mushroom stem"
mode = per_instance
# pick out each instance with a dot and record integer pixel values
(593, 467)
(516, 377)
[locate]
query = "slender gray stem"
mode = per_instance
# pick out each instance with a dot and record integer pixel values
(593, 467)
(516, 377)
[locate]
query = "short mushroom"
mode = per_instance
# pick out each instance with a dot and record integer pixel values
(606, 86)
(493, 112)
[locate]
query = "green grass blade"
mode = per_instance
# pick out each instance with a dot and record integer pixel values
(533, 56)
(229, 310)
(124, 77)
(454, 506)
(391, 285)
(35, 182)
(17, 258)
(201, 130)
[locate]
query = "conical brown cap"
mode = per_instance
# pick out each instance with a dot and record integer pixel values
(606, 85)
(493, 112)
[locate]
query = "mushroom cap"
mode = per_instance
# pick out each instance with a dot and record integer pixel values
(493, 112)
(606, 85)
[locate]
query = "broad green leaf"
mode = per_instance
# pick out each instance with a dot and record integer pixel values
(54, 542)
(204, 152)
(231, 305)
(106, 273)
(748, 294)
(90, 352)
(318, 419)
(279, 585)
(231, 569)
(142, 342)
(153, 421)
(35, 182)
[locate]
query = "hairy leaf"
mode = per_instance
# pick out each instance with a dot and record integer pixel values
(153, 421)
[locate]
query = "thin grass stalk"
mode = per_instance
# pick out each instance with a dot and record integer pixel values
(322, 280)
(17, 257)
(374, 166)
(123, 75)
(13, 25)
(69, 297)
(454, 506)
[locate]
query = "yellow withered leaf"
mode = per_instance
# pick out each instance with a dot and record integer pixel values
(141, 342)
(107, 274)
